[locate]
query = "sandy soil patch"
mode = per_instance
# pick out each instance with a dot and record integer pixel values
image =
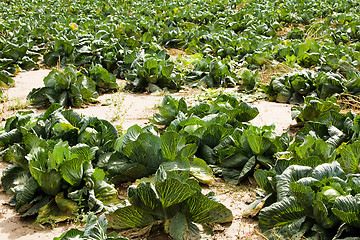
(26, 81)
(273, 113)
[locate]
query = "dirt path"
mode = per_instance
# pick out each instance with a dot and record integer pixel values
(26, 81)
(273, 113)
(129, 109)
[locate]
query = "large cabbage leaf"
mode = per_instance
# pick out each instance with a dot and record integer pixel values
(280, 213)
(349, 159)
(347, 209)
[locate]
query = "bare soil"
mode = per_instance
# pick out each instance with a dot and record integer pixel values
(126, 110)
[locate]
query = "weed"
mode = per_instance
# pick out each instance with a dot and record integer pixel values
(17, 104)
(273, 69)
(117, 106)
(9, 105)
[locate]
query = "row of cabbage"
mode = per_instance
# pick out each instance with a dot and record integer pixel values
(310, 184)
(65, 163)
(128, 40)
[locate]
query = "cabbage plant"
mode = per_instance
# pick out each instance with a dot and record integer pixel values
(71, 88)
(140, 152)
(313, 107)
(52, 156)
(331, 126)
(60, 87)
(56, 123)
(248, 148)
(152, 70)
(212, 72)
(173, 200)
(236, 111)
(295, 86)
(314, 202)
(55, 181)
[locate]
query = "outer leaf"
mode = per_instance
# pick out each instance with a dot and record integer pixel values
(31, 141)
(354, 183)
(293, 230)
(10, 174)
(76, 99)
(75, 119)
(196, 167)
(214, 134)
(181, 229)
(237, 160)
(129, 217)
(11, 137)
(231, 175)
(72, 234)
(328, 170)
(291, 174)
(110, 133)
(131, 135)
(322, 216)
(38, 97)
(345, 229)
(122, 169)
(201, 171)
(105, 192)
(247, 112)
(187, 152)
(249, 166)
(72, 171)
(144, 196)
(280, 213)
(349, 159)
(202, 209)
(171, 144)
(304, 195)
(347, 208)
(25, 193)
(172, 191)
(263, 178)
(87, 89)
(146, 150)
(58, 210)
(16, 154)
(207, 153)
(36, 203)
(95, 229)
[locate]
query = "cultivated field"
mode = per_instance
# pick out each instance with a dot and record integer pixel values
(140, 119)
